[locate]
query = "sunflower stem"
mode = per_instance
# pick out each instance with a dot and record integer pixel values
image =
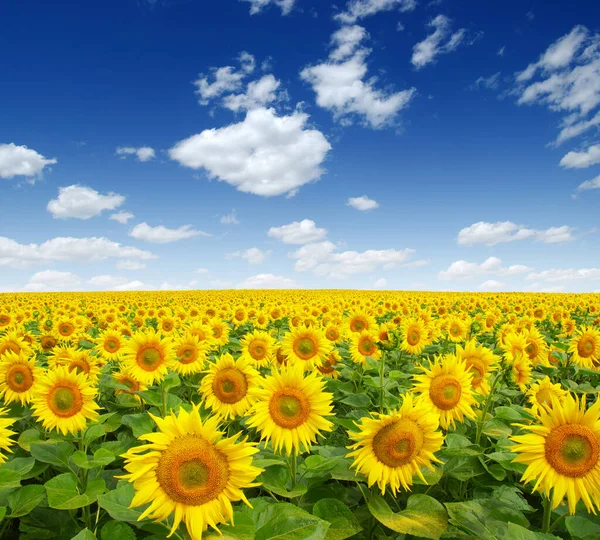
(547, 504)
(163, 394)
(293, 464)
(381, 376)
(488, 401)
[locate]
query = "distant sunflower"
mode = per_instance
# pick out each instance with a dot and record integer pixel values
(360, 320)
(540, 394)
(257, 347)
(306, 346)
(362, 345)
(13, 342)
(148, 356)
(109, 344)
(520, 372)
(333, 333)
(562, 453)
(536, 349)
(457, 329)
(480, 363)
(64, 400)
(446, 388)
(585, 347)
(83, 362)
(514, 347)
(17, 377)
(190, 354)
(414, 336)
(126, 378)
(391, 449)
(220, 331)
(191, 471)
(5, 433)
(291, 409)
(228, 388)
(327, 368)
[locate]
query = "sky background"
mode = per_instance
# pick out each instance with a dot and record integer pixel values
(392, 144)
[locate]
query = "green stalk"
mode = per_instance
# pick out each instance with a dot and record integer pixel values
(488, 401)
(381, 376)
(293, 465)
(547, 514)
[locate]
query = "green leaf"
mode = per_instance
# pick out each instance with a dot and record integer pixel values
(117, 529)
(284, 521)
(85, 534)
(343, 522)
(275, 479)
(507, 413)
(2, 512)
(27, 437)
(101, 458)
(358, 401)
(94, 432)
(117, 501)
(470, 517)
(424, 516)
(19, 465)
(319, 463)
(63, 493)
(516, 532)
(139, 423)
(244, 529)
(55, 453)
(581, 528)
(25, 499)
(170, 381)
(496, 429)
(9, 479)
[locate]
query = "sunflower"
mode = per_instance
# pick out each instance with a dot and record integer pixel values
(391, 449)
(536, 349)
(189, 470)
(64, 400)
(327, 368)
(5, 433)
(190, 354)
(480, 363)
(306, 346)
(364, 344)
(520, 372)
(203, 332)
(446, 388)
(514, 347)
(457, 329)
(220, 332)
(562, 453)
(291, 409)
(109, 344)
(239, 316)
(261, 320)
(67, 328)
(17, 377)
(82, 362)
(585, 347)
(415, 339)
(386, 336)
(125, 377)
(148, 356)
(12, 341)
(360, 320)
(540, 394)
(257, 347)
(333, 333)
(228, 388)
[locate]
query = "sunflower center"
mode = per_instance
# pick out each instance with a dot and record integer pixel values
(586, 347)
(187, 354)
(289, 408)
(358, 325)
(230, 385)
(398, 443)
(149, 358)
(112, 345)
(65, 401)
(544, 396)
(445, 392)
(10, 346)
(477, 371)
(366, 347)
(192, 471)
(19, 378)
(48, 343)
(455, 330)
(79, 366)
(413, 337)
(532, 350)
(257, 349)
(332, 334)
(305, 348)
(572, 450)
(66, 329)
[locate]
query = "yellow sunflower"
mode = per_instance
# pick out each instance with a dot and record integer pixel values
(306, 346)
(391, 449)
(220, 331)
(109, 344)
(291, 409)
(257, 347)
(360, 320)
(189, 470)
(536, 349)
(446, 388)
(480, 363)
(364, 344)
(64, 400)
(327, 368)
(126, 378)
(562, 453)
(83, 362)
(5, 434)
(228, 388)
(585, 347)
(17, 377)
(520, 372)
(190, 354)
(514, 347)
(148, 356)
(414, 336)
(540, 394)
(13, 342)
(457, 329)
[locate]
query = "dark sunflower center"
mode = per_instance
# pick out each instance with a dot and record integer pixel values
(572, 450)
(445, 392)
(150, 358)
(398, 443)
(413, 337)
(289, 408)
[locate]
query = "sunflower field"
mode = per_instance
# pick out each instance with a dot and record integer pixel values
(299, 415)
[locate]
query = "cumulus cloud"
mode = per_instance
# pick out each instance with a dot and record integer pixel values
(573, 129)
(253, 255)
(122, 217)
(163, 235)
(362, 203)
(359, 9)
(566, 274)
(82, 202)
(53, 281)
(267, 281)
(258, 94)
(491, 285)
(490, 234)
(130, 265)
(21, 161)
(492, 265)
(143, 153)
(264, 154)
(135, 285)
(256, 6)
(491, 82)
(230, 219)
(341, 86)
(581, 160)
(381, 283)
(298, 232)
(224, 79)
(589, 185)
(441, 41)
(66, 249)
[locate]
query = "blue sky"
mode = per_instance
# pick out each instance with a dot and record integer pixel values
(401, 144)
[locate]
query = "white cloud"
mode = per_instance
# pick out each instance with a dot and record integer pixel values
(230, 219)
(253, 255)
(53, 280)
(359, 9)
(66, 249)
(82, 202)
(135, 285)
(440, 41)
(490, 234)
(143, 153)
(574, 129)
(122, 217)
(581, 160)
(130, 265)
(491, 82)
(589, 184)
(298, 232)
(267, 281)
(163, 235)
(258, 94)
(107, 281)
(225, 79)
(258, 5)
(362, 203)
(491, 285)
(492, 265)
(381, 283)
(21, 161)
(341, 87)
(501, 51)
(566, 274)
